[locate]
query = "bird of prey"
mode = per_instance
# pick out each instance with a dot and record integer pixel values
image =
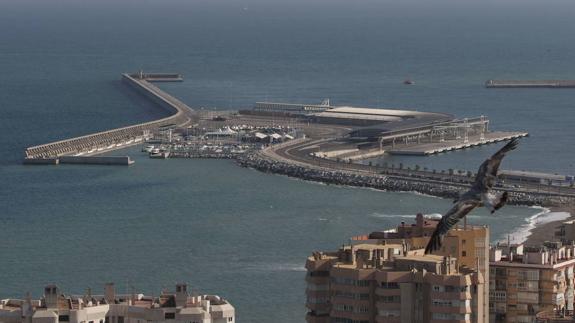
(480, 194)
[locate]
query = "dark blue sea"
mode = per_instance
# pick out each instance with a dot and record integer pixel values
(231, 231)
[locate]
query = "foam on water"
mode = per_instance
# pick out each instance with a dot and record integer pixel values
(545, 215)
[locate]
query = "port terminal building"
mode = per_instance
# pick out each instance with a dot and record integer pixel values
(343, 115)
(388, 126)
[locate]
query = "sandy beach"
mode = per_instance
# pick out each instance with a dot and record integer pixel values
(546, 231)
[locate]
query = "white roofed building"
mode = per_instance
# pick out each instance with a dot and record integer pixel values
(178, 307)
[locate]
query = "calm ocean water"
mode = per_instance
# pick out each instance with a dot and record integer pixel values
(223, 229)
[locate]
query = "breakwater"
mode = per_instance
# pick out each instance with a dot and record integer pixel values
(264, 163)
(530, 84)
(125, 136)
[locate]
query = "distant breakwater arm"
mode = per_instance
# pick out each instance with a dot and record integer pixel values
(121, 137)
(530, 84)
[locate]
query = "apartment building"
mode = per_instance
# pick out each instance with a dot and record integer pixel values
(385, 277)
(566, 231)
(525, 281)
(178, 307)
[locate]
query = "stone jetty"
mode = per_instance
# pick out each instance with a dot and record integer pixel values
(261, 162)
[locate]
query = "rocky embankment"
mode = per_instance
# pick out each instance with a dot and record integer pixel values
(264, 163)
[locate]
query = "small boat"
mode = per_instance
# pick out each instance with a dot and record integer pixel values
(148, 148)
(160, 155)
(408, 82)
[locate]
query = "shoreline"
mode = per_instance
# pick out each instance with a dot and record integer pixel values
(537, 229)
(546, 231)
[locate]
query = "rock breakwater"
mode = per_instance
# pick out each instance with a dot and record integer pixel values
(264, 163)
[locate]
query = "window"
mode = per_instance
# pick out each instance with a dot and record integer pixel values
(361, 309)
(446, 302)
(451, 289)
(120, 319)
(390, 285)
(463, 241)
(169, 316)
(390, 299)
(343, 307)
(345, 294)
(464, 253)
(349, 281)
(64, 318)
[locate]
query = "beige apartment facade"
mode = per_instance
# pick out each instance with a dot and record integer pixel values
(178, 307)
(384, 277)
(526, 281)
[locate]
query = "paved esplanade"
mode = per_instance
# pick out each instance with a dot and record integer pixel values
(121, 137)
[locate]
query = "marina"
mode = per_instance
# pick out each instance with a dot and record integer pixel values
(281, 136)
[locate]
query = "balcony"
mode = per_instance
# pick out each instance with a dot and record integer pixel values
(387, 292)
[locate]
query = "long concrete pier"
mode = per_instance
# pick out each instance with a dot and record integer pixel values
(440, 147)
(530, 84)
(121, 137)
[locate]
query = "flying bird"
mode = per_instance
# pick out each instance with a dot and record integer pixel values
(480, 194)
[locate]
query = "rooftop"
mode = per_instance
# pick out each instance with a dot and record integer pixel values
(74, 302)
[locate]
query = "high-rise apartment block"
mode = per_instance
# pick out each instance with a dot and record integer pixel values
(525, 281)
(385, 277)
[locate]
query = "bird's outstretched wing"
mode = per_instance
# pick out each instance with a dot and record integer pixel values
(456, 213)
(487, 172)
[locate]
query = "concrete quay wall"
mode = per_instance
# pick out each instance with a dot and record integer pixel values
(96, 160)
(392, 183)
(115, 138)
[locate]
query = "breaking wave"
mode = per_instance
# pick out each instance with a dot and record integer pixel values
(408, 216)
(545, 215)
